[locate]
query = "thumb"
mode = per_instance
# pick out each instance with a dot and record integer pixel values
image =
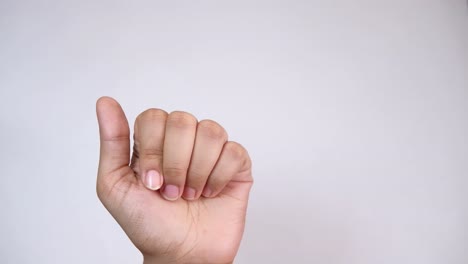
(114, 136)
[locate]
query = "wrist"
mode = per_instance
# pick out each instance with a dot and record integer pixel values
(153, 260)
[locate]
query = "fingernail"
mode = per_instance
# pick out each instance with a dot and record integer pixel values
(189, 193)
(153, 180)
(207, 192)
(171, 192)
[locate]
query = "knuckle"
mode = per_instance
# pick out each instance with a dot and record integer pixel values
(176, 172)
(212, 129)
(152, 114)
(151, 153)
(196, 177)
(247, 164)
(216, 183)
(181, 119)
(235, 150)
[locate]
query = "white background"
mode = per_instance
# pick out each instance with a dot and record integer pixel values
(355, 114)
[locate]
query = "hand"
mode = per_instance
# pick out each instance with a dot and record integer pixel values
(183, 197)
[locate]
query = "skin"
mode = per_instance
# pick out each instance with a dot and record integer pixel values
(200, 221)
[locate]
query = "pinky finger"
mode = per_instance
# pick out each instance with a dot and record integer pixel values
(228, 165)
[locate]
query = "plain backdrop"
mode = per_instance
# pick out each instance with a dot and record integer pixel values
(355, 113)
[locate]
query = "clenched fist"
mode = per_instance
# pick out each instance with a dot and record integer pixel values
(182, 197)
